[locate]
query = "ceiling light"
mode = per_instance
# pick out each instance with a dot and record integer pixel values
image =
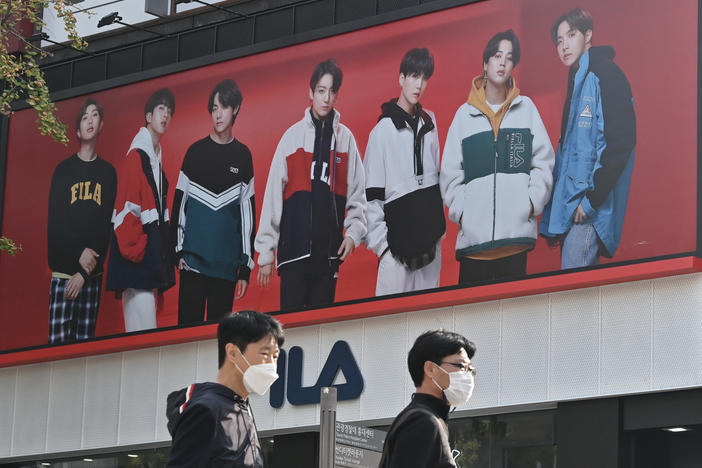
(88, 459)
(676, 429)
(132, 455)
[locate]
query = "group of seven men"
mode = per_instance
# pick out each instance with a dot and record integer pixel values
(322, 200)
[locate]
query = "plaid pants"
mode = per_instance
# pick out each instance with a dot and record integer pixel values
(72, 320)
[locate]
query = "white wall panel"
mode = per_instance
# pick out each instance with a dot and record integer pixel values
(8, 381)
(619, 339)
(102, 400)
(137, 414)
(31, 409)
(677, 331)
(385, 346)
(575, 343)
(207, 361)
(177, 369)
(65, 422)
(626, 351)
(524, 354)
(481, 323)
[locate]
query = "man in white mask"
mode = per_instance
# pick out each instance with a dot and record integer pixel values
(440, 366)
(211, 423)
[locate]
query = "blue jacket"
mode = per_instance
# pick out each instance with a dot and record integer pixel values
(595, 154)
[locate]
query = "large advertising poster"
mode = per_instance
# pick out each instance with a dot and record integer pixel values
(626, 172)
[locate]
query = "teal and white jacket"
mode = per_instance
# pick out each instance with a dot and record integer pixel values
(214, 216)
(495, 168)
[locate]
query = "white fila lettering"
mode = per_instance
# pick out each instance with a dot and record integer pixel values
(325, 172)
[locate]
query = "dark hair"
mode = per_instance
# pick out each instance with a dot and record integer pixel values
(229, 96)
(494, 44)
(247, 326)
(577, 19)
(434, 346)
(84, 108)
(162, 96)
(328, 66)
(418, 62)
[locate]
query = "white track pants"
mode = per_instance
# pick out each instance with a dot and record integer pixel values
(394, 277)
(139, 307)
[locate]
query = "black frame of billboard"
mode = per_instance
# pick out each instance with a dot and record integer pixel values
(423, 8)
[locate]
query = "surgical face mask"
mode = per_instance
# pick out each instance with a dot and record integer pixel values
(259, 377)
(460, 387)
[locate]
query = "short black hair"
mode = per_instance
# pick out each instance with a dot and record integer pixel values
(328, 66)
(229, 96)
(577, 19)
(434, 346)
(418, 62)
(162, 96)
(247, 326)
(84, 108)
(493, 46)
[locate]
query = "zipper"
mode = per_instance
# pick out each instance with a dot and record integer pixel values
(494, 175)
(332, 185)
(494, 189)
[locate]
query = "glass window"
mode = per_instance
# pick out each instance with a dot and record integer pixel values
(519, 440)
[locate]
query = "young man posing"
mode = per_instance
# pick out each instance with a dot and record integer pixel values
(141, 261)
(405, 211)
(211, 423)
(81, 200)
(596, 150)
(439, 363)
(313, 212)
(214, 215)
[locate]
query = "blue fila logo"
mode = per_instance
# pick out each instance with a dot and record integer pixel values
(340, 359)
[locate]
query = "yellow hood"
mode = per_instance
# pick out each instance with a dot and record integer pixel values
(478, 100)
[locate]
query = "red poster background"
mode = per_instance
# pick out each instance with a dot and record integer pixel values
(656, 47)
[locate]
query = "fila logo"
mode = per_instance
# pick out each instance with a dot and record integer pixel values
(587, 113)
(340, 359)
(233, 170)
(516, 150)
(324, 177)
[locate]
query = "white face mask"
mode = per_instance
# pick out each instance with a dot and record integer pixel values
(259, 377)
(460, 387)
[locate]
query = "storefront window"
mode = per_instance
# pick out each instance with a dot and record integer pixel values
(521, 440)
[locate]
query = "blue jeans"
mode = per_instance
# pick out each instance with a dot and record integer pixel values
(581, 247)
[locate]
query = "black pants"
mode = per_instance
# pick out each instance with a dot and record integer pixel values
(476, 271)
(196, 290)
(299, 289)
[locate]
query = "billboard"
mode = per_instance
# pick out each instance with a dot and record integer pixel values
(626, 171)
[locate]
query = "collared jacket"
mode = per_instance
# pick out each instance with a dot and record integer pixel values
(405, 212)
(419, 436)
(213, 427)
(286, 222)
(596, 151)
(140, 256)
(495, 167)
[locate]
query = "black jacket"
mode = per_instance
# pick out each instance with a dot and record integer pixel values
(212, 426)
(418, 437)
